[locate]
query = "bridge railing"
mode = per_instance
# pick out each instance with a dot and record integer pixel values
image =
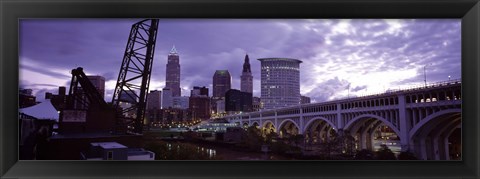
(388, 92)
(412, 88)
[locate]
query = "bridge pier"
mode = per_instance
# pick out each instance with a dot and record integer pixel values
(405, 123)
(418, 116)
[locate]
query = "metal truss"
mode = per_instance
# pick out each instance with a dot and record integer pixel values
(134, 77)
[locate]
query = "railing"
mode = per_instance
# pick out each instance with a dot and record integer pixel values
(388, 92)
(400, 90)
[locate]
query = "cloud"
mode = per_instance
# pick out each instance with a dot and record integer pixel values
(369, 54)
(331, 89)
(358, 88)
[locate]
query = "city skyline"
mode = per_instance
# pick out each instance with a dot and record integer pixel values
(341, 57)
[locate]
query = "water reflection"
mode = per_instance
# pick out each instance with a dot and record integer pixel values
(200, 151)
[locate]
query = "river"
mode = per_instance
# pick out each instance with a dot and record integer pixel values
(222, 152)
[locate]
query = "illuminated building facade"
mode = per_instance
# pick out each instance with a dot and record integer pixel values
(280, 82)
(173, 72)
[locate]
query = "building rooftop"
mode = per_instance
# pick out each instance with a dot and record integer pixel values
(173, 51)
(279, 59)
(222, 72)
(43, 110)
(109, 145)
(137, 151)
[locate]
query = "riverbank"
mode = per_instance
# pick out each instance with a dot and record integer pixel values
(219, 150)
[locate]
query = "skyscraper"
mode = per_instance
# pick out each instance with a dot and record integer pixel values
(238, 101)
(199, 103)
(246, 83)
(173, 72)
(222, 82)
(199, 91)
(99, 83)
(180, 102)
(280, 82)
(154, 100)
(167, 98)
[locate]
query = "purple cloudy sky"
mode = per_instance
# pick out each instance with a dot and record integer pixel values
(340, 57)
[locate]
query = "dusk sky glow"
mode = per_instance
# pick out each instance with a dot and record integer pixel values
(340, 57)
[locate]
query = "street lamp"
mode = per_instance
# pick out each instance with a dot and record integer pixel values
(448, 78)
(425, 74)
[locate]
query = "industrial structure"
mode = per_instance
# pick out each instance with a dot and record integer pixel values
(135, 73)
(84, 115)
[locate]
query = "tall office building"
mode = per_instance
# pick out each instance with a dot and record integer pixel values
(154, 105)
(257, 104)
(199, 91)
(238, 101)
(304, 100)
(167, 98)
(199, 103)
(200, 107)
(180, 102)
(173, 72)
(154, 100)
(246, 83)
(99, 83)
(222, 82)
(280, 82)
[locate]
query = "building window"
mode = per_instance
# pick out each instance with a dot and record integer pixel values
(110, 155)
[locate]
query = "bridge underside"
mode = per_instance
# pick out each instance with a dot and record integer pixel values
(424, 121)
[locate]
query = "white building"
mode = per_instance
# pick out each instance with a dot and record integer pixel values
(280, 82)
(115, 151)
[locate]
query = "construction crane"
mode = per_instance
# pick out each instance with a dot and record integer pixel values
(86, 109)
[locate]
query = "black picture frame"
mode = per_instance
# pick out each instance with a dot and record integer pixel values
(12, 11)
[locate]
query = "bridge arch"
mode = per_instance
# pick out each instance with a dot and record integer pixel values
(255, 123)
(267, 122)
(363, 116)
(429, 118)
(245, 125)
(319, 130)
(315, 119)
(432, 132)
(268, 126)
(288, 121)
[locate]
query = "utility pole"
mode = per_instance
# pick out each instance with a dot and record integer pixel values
(425, 75)
(348, 92)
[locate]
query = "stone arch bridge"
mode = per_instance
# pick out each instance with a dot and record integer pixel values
(422, 118)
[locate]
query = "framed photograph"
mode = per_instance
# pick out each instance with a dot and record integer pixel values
(317, 89)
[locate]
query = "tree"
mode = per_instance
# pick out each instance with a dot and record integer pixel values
(297, 139)
(385, 153)
(253, 139)
(270, 136)
(364, 154)
(346, 144)
(329, 147)
(407, 155)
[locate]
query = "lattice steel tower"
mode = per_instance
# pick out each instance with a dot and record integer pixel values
(134, 77)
